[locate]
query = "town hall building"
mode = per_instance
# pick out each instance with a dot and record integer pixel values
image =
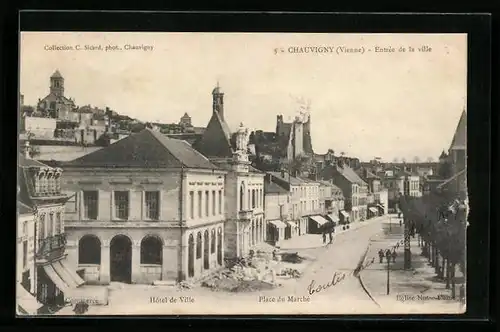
(147, 208)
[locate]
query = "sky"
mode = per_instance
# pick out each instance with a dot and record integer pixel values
(366, 104)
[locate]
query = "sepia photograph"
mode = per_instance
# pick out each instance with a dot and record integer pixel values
(164, 173)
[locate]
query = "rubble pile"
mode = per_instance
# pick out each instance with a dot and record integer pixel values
(291, 258)
(288, 272)
(254, 273)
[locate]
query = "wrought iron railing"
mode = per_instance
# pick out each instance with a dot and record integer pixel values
(50, 244)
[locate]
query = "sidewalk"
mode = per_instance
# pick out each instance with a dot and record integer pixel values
(414, 290)
(312, 241)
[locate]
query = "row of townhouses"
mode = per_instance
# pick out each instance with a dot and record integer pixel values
(154, 209)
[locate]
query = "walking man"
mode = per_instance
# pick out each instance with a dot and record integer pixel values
(381, 255)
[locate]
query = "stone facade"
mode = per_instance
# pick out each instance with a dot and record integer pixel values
(187, 209)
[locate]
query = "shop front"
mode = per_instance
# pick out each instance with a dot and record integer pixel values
(276, 231)
(345, 218)
(291, 229)
(372, 212)
(316, 224)
(381, 209)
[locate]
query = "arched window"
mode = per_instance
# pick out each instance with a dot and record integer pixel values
(89, 250)
(219, 246)
(198, 245)
(151, 250)
(206, 248)
(212, 243)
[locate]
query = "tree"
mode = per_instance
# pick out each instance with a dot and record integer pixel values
(430, 159)
(403, 160)
(416, 159)
(445, 170)
(395, 160)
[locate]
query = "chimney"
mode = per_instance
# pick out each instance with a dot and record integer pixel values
(282, 173)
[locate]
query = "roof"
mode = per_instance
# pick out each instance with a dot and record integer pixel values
(23, 208)
(145, 149)
(286, 178)
(27, 162)
(459, 141)
(56, 74)
(274, 188)
(350, 174)
(216, 138)
(446, 182)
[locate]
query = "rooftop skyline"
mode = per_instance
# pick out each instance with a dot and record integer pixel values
(376, 104)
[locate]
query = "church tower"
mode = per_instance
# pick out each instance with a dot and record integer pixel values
(218, 101)
(57, 84)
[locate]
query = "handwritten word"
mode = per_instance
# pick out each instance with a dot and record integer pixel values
(336, 279)
(281, 299)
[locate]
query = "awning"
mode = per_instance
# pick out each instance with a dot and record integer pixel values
(292, 223)
(319, 220)
(278, 223)
(73, 280)
(374, 210)
(79, 281)
(344, 213)
(333, 217)
(27, 302)
(56, 279)
(380, 206)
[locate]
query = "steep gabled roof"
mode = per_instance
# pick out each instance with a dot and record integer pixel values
(215, 141)
(146, 149)
(459, 141)
(350, 174)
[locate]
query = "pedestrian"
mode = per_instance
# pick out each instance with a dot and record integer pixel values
(388, 255)
(400, 221)
(394, 255)
(381, 255)
(324, 237)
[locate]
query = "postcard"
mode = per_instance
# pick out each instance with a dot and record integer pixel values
(241, 173)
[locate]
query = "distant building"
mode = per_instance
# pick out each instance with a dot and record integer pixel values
(55, 104)
(355, 190)
(279, 223)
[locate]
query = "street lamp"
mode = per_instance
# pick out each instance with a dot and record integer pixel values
(388, 258)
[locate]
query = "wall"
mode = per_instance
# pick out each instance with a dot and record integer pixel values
(272, 205)
(29, 238)
(107, 181)
(40, 127)
(201, 182)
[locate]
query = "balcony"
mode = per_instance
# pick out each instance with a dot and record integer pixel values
(51, 247)
(245, 215)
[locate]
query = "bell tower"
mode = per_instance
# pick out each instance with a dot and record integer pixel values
(57, 84)
(218, 101)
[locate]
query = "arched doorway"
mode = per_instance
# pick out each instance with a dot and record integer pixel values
(191, 256)
(219, 246)
(121, 259)
(206, 250)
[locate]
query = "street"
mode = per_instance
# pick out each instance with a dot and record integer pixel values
(326, 287)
